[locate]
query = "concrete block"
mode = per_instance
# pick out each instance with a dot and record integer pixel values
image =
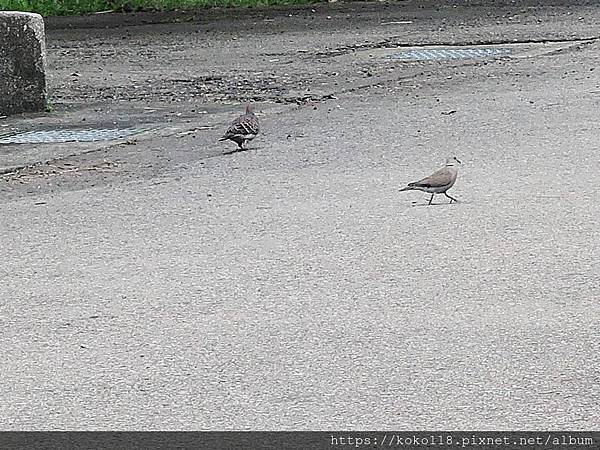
(22, 63)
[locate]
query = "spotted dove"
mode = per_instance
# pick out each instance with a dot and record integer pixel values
(243, 129)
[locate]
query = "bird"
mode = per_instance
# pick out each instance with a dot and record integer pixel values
(438, 182)
(243, 129)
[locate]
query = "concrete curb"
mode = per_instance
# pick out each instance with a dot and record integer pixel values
(22, 63)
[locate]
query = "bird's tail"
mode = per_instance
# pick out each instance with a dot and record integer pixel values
(223, 138)
(407, 188)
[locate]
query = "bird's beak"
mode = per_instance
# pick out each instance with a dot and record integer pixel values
(460, 162)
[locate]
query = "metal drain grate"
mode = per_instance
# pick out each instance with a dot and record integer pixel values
(449, 53)
(57, 136)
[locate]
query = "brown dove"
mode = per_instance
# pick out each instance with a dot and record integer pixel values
(439, 182)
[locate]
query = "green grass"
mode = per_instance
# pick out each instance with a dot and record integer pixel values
(71, 7)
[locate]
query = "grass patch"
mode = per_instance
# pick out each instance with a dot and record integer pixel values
(74, 7)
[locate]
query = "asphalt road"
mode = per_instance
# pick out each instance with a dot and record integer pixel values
(167, 285)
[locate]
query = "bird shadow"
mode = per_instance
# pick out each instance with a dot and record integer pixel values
(237, 150)
(421, 205)
(240, 150)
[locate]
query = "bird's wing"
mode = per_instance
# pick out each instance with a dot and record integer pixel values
(252, 123)
(243, 125)
(441, 178)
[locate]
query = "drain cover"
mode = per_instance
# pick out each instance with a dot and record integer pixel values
(449, 53)
(57, 136)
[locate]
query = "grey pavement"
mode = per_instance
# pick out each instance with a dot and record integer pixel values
(158, 283)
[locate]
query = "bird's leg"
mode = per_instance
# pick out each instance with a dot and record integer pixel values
(451, 198)
(241, 145)
(431, 199)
